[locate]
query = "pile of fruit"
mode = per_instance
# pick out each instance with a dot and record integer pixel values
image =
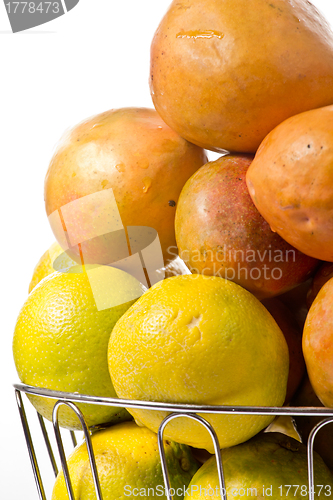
(163, 283)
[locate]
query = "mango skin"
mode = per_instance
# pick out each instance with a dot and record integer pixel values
(220, 232)
(323, 274)
(132, 151)
(318, 344)
(291, 181)
(223, 74)
(293, 335)
(323, 444)
(296, 301)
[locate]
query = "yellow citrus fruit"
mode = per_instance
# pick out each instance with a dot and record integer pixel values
(61, 339)
(270, 465)
(128, 465)
(201, 340)
(45, 267)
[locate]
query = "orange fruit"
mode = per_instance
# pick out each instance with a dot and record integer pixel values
(201, 340)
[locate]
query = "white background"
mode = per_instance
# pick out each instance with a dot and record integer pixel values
(92, 59)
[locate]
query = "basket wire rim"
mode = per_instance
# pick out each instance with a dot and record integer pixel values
(310, 411)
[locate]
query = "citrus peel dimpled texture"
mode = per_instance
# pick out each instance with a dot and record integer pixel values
(128, 461)
(201, 340)
(60, 342)
(263, 467)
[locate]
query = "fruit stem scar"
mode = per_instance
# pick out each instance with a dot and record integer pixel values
(195, 322)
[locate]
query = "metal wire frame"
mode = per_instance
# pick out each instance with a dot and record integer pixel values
(217, 450)
(175, 411)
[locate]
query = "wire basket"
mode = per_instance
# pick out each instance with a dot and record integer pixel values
(175, 411)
